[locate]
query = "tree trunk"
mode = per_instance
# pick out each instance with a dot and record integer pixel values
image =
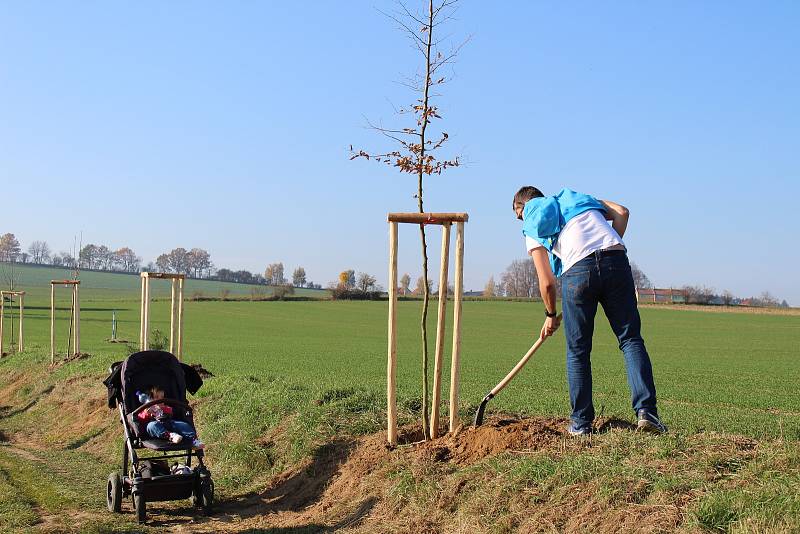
(426, 292)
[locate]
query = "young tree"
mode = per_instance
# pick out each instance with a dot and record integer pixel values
(39, 252)
(299, 277)
(416, 143)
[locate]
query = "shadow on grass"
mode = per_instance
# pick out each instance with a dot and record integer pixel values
(6, 412)
(83, 440)
(293, 491)
(614, 423)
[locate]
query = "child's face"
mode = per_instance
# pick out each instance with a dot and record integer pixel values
(158, 394)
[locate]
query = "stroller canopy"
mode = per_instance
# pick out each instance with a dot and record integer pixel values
(150, 368)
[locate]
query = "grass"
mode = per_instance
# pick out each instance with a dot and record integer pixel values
(705, 366)
(107, 286)
(292, 376)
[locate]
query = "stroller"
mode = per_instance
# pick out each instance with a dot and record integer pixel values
(150, 478)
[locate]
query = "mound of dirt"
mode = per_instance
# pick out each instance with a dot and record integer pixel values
(471, 445)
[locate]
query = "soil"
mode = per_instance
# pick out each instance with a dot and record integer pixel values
(493, 437)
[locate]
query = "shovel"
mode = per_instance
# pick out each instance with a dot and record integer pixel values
(504, 382)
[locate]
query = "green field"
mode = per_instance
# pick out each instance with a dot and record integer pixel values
(103, 286)
(291, 377)
(715, 371)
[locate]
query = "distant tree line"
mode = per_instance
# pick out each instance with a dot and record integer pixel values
(520, 280)
(350, 286)
(97, 257)
(194, 263)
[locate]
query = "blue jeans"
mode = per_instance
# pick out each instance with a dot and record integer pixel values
(157, 429)
(605, 278)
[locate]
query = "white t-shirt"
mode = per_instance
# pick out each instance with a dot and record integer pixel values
(582, 235)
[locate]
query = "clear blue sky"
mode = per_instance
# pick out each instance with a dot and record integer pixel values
(226, 125)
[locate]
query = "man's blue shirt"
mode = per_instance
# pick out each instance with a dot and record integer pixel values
(543, 218)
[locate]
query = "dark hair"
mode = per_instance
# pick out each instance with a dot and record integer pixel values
(152, 390)
(523, 195)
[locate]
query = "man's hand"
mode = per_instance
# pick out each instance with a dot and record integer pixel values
(551, 324)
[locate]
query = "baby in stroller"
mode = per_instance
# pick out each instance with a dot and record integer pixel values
(159, 423)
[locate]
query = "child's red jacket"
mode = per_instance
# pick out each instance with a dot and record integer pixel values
(145, 416)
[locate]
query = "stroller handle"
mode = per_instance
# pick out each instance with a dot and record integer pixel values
(171, 402)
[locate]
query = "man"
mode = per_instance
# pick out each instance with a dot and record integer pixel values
(568, 237)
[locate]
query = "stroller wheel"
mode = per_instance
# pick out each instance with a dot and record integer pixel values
(140, 506)
(114, 493)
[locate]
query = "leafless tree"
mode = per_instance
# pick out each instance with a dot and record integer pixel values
(40, 252)
(87, 257)
(520, 279)
(727, 297)
(163, 263)
(365, 282)
(640, 280)
(128, 260)
(698, 294)
(199, 262)
(416, 143)
(419, 289)
(768, 300)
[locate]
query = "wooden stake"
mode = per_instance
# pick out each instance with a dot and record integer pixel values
(21, 344)
(146, 319)
(440, 331)
(172, 311)
(77, 318)
(52, 324)
(2, 321)
(455, 362)
(180, 319)
(141, 317)
(391, 366)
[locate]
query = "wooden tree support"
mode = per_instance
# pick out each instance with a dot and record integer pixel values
(75, 319)
(175, 313)
(21, 337)
(445, 220)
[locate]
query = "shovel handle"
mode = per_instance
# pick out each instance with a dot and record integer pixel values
(517, 368)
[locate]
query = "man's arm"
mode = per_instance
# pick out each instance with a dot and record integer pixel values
(618, 215)
(547, 287)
